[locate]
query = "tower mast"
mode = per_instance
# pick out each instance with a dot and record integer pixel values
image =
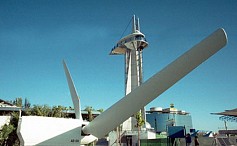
(131, 46)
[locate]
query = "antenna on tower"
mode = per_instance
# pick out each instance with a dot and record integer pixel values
(134, 24)
(138, 24)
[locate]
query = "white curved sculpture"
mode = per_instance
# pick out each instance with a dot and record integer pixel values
(35, 130)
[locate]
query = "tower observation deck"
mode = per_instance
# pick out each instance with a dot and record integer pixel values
(134, 41)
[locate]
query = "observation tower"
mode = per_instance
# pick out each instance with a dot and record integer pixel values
(131, 46)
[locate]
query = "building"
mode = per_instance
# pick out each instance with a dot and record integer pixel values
(160, 119)
(6, 109)
(84, 114)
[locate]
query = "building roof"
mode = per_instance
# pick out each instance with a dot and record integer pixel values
(232, 112)
(5, 103)
(84, 112)
(8, 107)
(228, 115)
(170, 110)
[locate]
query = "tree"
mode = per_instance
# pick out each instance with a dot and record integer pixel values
(39, 110)
(89, 110)
(18, 102)
(140, 123)
(100, 110)
(13, 138)
(26, 104)
(8, 136)
(58, 111)
(6, 130)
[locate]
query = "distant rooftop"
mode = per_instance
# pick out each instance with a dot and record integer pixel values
(4, 103)
(171, 110)
(6, 107)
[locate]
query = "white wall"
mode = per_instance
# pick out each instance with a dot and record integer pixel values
(4, 120)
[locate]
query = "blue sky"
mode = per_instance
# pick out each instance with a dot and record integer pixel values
(35, 36)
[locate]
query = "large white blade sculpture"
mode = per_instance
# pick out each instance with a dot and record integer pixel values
(73, 92)
(62, 131)
(156, 85)
(86, 139)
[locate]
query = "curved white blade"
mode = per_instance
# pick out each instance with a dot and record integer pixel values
(73, 92)
(156, 85)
